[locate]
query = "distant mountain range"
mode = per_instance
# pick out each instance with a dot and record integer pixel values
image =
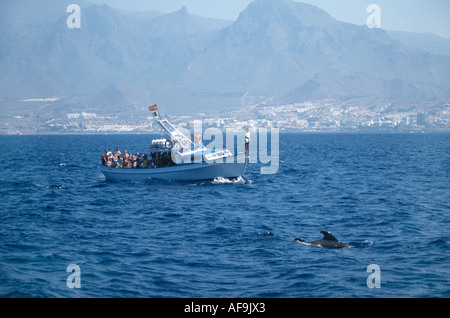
(277, 50)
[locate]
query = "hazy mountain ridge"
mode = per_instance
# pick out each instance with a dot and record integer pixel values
(425, 42)
(284, 51)
(280, 49)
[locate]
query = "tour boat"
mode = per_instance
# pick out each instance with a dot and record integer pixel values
(189, 160)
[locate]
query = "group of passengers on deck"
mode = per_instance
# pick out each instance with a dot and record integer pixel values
(129, 161)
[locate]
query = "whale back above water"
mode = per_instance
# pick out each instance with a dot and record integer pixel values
(328, 241)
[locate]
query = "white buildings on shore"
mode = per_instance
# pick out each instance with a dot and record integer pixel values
(306, 117)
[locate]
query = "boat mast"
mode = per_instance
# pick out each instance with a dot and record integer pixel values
(173, 132)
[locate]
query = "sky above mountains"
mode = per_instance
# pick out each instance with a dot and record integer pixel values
(401, 15)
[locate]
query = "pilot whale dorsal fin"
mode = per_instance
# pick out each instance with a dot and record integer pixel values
(328, 236)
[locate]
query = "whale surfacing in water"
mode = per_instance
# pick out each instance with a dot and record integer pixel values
(328, 241)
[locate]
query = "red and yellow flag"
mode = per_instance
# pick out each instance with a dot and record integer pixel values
(153, 108)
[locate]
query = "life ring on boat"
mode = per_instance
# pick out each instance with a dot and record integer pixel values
(169, 141)
(184, 143)
(197, 139)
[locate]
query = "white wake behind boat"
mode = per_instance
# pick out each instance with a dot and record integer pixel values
(190, 161)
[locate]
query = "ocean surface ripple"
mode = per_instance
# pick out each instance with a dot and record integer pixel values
(385, 193)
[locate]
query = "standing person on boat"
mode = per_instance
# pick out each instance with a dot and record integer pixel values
(247, 141)
(114, 162)
(108, 161)
(145, 162)
(125, 162)
(132, 163)
(104, 160)
(138, 160)
(125, 155)
(117, 153)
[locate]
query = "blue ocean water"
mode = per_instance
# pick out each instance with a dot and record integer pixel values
(387, 194)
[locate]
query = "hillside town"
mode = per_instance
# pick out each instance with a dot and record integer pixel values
(324, 116)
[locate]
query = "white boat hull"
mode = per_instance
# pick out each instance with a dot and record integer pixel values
(182, 172)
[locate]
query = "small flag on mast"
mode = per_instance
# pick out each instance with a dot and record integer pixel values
(154, 109)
